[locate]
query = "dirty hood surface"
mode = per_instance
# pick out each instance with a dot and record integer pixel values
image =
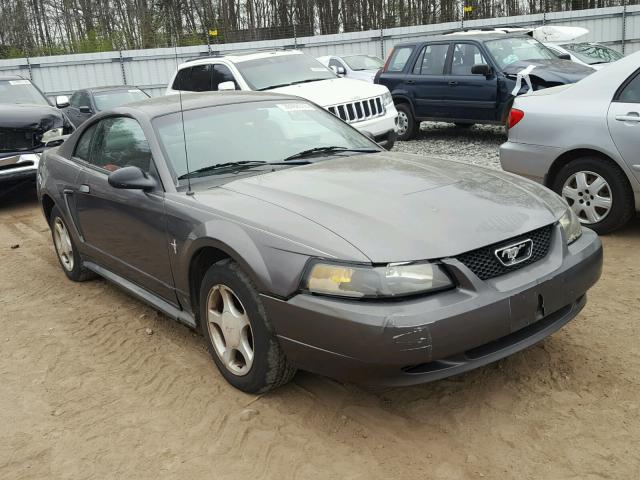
(398, 207)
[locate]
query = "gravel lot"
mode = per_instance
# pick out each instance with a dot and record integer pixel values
(97, 385)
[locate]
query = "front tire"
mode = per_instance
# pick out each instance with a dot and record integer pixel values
(597, 191)
(240, 338)
(66, 249)
(408, 127)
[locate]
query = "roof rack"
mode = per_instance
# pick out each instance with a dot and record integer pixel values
(216, 54)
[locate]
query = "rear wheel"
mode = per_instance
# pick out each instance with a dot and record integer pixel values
(407, 125)
(240, 338)
(66, 250)
(597, 191)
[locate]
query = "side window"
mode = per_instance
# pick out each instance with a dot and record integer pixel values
(83, 147)
(631, 92)
(465, 56)
(431, 60)
(200, 79)
(83, 100)
(335, 63)
(399, 59)
(73, 101)
(221, 74)
(120, 142)
(181, 79)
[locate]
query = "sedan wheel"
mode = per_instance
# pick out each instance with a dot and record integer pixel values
(230, 330)
(589, 195)
(63, 245)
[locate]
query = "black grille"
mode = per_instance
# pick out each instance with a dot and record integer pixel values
(13, 140)
(484, 263)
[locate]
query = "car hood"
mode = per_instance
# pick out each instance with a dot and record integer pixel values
(333, 91)
(366, 75)
(400, 207)
(552, 71)
(30, 117)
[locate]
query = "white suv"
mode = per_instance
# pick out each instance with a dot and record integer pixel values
(367, 107)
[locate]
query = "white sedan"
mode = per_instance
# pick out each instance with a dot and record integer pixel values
(583, 141)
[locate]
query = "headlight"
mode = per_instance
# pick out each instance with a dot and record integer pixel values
(571, 226)
(51, 134)
(358, 281)
(387, 99)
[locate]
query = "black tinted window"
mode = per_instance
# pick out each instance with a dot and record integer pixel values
(221, 74)
(83, 147)
(431, 60)
(200, 79)
(121, 143)
(631, 93)
(181, 79)
(399, 59)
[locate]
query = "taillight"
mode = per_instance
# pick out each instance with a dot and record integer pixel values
(386, 63)
(515, 116)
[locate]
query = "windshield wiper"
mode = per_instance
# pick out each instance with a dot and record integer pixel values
(269, 87)
(317, 150)
(237, 166)
(308, 81)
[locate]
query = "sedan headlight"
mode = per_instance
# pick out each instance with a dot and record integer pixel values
(361, 281)
(387, 99)
(51, 134)
(571, 226)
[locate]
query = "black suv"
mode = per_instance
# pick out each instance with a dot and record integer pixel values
(467, 77)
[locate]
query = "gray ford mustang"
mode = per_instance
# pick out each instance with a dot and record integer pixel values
(293, 241)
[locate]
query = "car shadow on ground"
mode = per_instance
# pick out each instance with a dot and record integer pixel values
(18, 194)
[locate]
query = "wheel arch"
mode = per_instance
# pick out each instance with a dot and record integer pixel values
(567, 157)
(47, 204)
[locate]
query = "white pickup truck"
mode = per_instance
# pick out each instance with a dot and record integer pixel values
(367, 107)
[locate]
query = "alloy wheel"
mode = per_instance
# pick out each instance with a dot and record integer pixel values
(403, 123)
(589, 196)
(230, 330)
(63, 244)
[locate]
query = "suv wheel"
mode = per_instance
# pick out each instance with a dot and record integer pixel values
(597, 191)
(407, 125)
(68, 254)
(239, 336)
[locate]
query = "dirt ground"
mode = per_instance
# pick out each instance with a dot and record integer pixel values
(85, 392)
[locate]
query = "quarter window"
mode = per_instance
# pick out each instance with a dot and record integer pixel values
(465, 56)
(120, 142)
(432, 60)
(631, 92)
(399, 59)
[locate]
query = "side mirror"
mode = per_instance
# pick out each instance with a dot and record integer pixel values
(564, 56)
(131, 178)
(226, 86)
(481, 69)
(62, 101)
(85, 109)
(341, 71)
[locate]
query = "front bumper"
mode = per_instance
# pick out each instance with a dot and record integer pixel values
(19, 167)
(379, 126)
(428, 338)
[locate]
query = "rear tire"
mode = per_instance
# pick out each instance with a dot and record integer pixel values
(408, 127)
(66, 250)
(597, 191)
(239, 336)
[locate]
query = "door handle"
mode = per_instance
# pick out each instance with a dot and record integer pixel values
(410, 82)
(453, 84)
(84, 189)
(629, 117)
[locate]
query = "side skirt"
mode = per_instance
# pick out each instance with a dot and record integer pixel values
(142, 294)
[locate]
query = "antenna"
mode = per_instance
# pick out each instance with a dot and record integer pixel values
(184, 135)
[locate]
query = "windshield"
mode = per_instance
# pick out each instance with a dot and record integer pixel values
(363, 62)
(509, 50)
(21, 92)
(267, 131)
(282, 70)
(114, 98)
(593, 54)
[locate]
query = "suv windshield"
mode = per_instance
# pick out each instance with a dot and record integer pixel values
(282, 70)
(114, 98)
(363, 62)
(517, 49)
(593, 54)
(21, 92)
(277, 129)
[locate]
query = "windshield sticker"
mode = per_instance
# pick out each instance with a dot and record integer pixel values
(318, 69)
(19, 82)
(294, 107)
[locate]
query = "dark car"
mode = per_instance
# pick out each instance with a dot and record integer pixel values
(468, 78)
(83, 104)
(294, 241)
(27, 123)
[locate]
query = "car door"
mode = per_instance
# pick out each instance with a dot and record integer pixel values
(624, 122)
(124, 230)
(427, 83)
(470, 97)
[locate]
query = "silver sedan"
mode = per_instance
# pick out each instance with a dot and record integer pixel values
(583, 141)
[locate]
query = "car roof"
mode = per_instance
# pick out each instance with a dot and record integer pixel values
(167, 104)
(480, 37)
(241, 57)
